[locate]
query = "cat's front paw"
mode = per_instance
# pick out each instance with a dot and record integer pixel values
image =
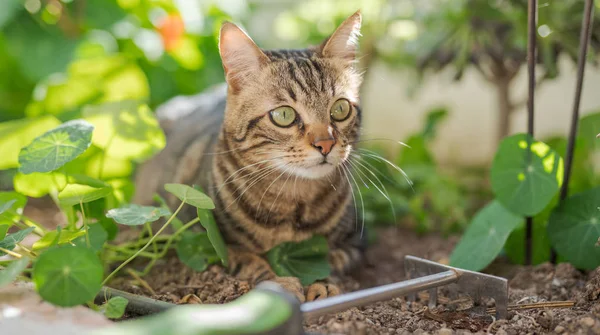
(318, 291)
(292, 285)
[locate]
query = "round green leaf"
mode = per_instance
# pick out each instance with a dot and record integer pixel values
(115, 307)
(484, 238)
(306, 260)
(525, 181)
(68, 276)
(574, 228)
(13, 270)
(196, 251)
(190, 196)
(135, 215)
(56, 147)
(97, 236)
(74, 194)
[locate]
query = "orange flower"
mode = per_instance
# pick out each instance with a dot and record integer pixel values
(171, 30)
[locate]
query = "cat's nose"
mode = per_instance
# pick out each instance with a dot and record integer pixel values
(324, 145)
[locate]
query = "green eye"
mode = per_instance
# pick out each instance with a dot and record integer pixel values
(340, 110)
(283, 116)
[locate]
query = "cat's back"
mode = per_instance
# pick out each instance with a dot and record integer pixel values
(191, 125)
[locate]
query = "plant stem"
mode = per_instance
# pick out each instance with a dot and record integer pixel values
(39, 229)
(145, 246)
(87, 233)
(10, 252)
(128, 252)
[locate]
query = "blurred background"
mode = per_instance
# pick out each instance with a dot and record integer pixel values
(448, 77)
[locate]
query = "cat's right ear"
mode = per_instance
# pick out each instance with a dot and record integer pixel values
(240, 56)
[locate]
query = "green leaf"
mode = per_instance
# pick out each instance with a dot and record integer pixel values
(589, 127)
(115, 307)
(196, 251)
(207, 220)
(16, 134)
(8, 10)
(10, 241)
(126, 130)
(38, 184)
(434, 118)
(7, 205)
(574, 228)
(109, 227)
(485, 237)
(135, 215)
(3, 230)
(416, 154)
(306, 260)
(190, 196)
(12, 204)
(74, 194)
(13, 270)
(56, 147)
(525, 181)
(68, 276)
(49, 238)
(97, 235)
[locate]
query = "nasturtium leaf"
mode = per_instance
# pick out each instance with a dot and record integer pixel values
(11, 208)
(196, 251)
(134, 215)
(115, 307)
(97, 237)
(50, 237)
(525, 181)
(432, 121)
(109, 227)
(68, 276)
(16, 134)
(574, 228)
(3, 230)
(13, 270)
(11, 240)
(126, 130)
(39, 184)
(589, 127)
(190, 196)
(484, 238)
(207, 220)
(306, 260)
(56, 147)
(74, 194)
(7, 205)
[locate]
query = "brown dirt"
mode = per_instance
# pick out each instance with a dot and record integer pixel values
(176, 283)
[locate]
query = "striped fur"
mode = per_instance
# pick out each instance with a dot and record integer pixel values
(267, 181)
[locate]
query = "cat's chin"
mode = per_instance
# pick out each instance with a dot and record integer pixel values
(315, 172)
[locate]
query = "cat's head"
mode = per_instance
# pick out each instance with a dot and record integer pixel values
(293, 109)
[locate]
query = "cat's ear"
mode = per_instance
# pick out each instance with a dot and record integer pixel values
(343, 43)
(239, 54)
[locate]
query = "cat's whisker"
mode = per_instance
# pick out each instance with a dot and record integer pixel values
(253, 182)
(233, 150)
(340, 168)
(381, 139)
(374, 155)
(281, 189)
(267, 189)
(247, 167)
(373, 168)
(362, 203)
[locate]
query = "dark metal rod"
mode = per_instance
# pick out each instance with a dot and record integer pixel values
(367, 296)
(584, 40)
(531, 58)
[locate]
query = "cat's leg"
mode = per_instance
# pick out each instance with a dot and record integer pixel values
(255, 269)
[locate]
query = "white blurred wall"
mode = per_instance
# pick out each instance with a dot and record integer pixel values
(467, 137)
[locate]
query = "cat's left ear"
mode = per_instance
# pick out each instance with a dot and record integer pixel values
(343, 43)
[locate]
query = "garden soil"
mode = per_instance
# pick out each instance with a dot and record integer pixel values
(172, 281)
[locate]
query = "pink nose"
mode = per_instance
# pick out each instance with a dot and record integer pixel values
(324, 145)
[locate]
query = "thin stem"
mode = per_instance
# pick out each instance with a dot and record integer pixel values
(145, 246)
(531, 49)
(30, 253)
(10, 252)
(584, 40)
(38, 228)
(85, 226)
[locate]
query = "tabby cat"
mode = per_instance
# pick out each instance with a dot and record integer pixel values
(270, 148)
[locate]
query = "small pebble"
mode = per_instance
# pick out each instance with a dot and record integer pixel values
(501, 332)
(559, 329)
(445, 331)
(587, 321)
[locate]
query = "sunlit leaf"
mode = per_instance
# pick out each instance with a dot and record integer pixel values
(14, 135)
(38, 184)
(190, 196)
(13, 270)
(129, 83)
(196, 251)
(74, 194)
(115, 307)
(134, 215)
(56, 147)
(485, 237)
(187, 54)
(49, 238)
(306, 260)
(574, 228)
(525, 181)
(125, 130)
(11, 240)
(68, 276)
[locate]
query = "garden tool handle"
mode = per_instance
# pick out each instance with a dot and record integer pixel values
(353, 299)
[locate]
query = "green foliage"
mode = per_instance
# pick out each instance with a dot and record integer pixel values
(484, 238)
(56, 147)
(196, 251)
(190, 196)
(115, 307)
(306, 260)
(10, 241)
(68, 276)
(526, 174)
(13, 270)
(574, 229)
(14, 135)
(134, 215)
(208, 222)
(56, 237)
